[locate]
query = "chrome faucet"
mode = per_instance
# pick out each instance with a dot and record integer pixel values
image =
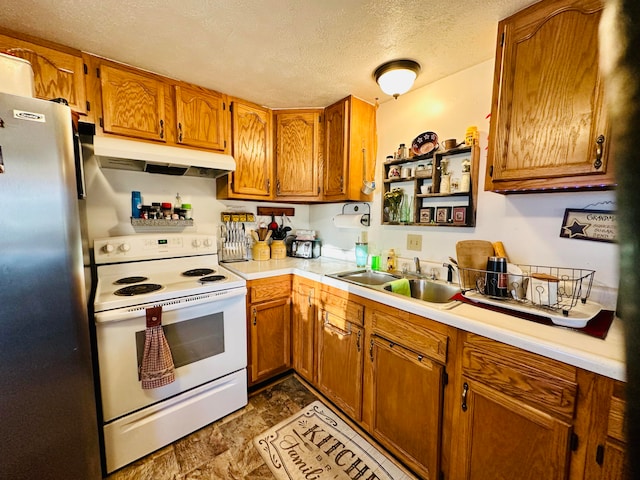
(416, 260)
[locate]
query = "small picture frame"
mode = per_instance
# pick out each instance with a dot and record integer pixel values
(443, 214)
(459, 215)
(426, 215)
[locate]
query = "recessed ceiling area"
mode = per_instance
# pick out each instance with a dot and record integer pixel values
(277, 53)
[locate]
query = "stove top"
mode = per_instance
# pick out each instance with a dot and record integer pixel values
(140, 269)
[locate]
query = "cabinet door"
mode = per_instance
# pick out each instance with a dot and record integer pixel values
(297, 155)
(607, 450)
(548, 124)
(407, 396)
(251, 127)
(56, 73)
(501, 437)
(201, 116)
(340, 363)
(336, 162)
(303, 323)
(270, 334)
(132, 104)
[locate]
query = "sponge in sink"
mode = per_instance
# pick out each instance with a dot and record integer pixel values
(401, 286)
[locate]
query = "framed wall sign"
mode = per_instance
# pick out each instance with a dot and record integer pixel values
(426, 215)
(595, 225)
(443, 214)
(459, 215)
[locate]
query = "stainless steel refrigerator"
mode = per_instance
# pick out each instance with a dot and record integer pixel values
(48, 425)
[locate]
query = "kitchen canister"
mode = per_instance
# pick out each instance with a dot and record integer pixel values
(278, 250)
(260, 251)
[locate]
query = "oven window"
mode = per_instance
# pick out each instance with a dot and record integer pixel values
(190, 340)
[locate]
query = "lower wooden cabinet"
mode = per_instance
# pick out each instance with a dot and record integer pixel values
(445, 402)
(606, 451)
(514, 419)
(268, 327)
(340, 345)
(303, 319)
(404, 382)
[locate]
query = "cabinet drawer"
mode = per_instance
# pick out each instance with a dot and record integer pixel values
(269, 289)
(536, 380)
(342, 307)
(413, 336)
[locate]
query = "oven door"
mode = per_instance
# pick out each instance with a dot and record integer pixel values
(206, 334)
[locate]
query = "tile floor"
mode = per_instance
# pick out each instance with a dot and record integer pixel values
(224, 449)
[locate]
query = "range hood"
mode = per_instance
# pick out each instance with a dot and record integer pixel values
(137, 156)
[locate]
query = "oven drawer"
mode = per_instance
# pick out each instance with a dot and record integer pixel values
(142, 432)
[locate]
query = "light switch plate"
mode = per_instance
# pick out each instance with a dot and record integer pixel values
(414, 242)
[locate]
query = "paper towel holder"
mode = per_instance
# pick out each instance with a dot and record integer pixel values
(363, 209)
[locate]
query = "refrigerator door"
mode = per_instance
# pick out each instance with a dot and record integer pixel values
(47, 405)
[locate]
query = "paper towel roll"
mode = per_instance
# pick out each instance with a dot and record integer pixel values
(348, 220)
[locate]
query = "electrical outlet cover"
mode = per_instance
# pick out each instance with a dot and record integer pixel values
(414, 242)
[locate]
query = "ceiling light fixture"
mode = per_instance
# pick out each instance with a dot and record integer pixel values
(396, 77)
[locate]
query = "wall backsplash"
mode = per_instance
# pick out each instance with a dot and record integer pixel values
(527, 224)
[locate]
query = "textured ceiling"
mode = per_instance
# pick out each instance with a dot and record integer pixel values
(278, 53)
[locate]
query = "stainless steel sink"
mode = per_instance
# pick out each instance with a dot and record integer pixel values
(366, 277)
(430, 291)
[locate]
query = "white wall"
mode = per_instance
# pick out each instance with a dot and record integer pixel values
(109, 201)
(527, 224)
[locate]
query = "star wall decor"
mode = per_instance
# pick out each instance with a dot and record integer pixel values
(595, 225)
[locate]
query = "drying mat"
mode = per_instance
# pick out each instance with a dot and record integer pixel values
(597, 327)
(316, 443)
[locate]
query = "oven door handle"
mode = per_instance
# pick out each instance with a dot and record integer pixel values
(129, 313)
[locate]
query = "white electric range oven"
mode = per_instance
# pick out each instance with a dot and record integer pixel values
(203, 318)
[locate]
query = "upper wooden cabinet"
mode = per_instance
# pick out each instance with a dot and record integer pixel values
(58, 71)
(252, 150)
(133, 104)
(350, 149)
(548, 124)
(297, 154)
(201, 117)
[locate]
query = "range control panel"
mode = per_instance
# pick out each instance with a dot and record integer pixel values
(151, 246)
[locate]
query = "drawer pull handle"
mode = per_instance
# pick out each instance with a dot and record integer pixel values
(333, 328)
(358, 340)
(465, 391)
(161, 128)
(598, 161)
(255, 314)
(371, 350)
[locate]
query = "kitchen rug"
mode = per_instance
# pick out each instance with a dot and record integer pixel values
(316, 444)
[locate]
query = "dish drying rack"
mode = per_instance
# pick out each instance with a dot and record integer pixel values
(572, 284)
(233, 243)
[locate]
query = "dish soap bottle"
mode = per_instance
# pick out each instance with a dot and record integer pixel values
(391, 260)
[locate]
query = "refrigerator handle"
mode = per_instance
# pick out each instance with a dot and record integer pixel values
(79, 162)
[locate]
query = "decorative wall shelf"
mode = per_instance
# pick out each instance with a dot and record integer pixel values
(162, 222)
(453, 208)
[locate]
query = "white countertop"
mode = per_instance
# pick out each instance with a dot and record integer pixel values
(605, 357)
